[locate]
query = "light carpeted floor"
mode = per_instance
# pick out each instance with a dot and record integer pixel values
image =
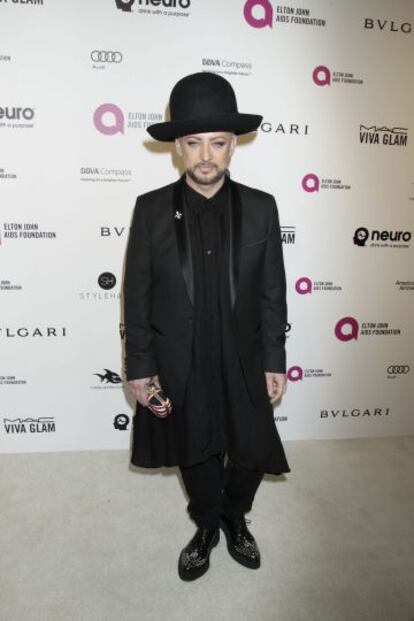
(86, 537)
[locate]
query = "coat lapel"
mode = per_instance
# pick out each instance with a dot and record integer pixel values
(182, 232)
(184, 243)
(234, 240)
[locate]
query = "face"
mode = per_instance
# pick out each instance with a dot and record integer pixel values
(206, 156)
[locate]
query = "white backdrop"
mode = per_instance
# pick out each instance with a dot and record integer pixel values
(333, 81)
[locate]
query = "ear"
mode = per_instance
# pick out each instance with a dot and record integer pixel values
(178, 147)
(233, 143)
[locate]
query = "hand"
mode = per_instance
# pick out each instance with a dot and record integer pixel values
(139, 388)
(276, 385)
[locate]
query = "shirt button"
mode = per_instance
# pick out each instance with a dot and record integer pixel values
(208, 251)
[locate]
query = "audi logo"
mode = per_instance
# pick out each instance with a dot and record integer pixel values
(398, 369)
(100, 56)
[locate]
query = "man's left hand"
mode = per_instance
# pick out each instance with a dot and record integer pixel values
(276, 385)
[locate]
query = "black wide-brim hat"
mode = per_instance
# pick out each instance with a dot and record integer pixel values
(203, 102)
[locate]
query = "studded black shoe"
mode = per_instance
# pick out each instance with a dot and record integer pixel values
(241, 544)
(194, 559)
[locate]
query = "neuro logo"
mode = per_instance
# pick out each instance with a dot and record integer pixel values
(18, 114)
(109, 119)
(303, 285)
(107, 280)
(346, 329)
(124, 5)
(121, 422)
(321, 76)
(360, 236)
(109, 377)
(258, 13)
(310, 183)
(295, 374)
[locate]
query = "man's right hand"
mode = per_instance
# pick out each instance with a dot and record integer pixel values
(139, 388)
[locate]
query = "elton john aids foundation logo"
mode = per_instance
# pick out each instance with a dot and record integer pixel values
(258, 13)
(310, 183)
(346, 329)
(109, 119)
(321, 75)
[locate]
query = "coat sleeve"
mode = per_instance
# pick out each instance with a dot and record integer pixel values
(273, 300)
(139, 354)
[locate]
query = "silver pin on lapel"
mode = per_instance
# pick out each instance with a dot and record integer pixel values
(178, 214)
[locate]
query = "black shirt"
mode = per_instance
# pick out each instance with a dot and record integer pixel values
(207, 225)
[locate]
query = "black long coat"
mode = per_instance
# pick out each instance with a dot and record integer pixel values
(158, 304)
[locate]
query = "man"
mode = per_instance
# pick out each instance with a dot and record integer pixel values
(205, 318)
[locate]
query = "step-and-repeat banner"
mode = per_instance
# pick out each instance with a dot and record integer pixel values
(80, 81)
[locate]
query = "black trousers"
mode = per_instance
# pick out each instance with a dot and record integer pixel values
(214, 488)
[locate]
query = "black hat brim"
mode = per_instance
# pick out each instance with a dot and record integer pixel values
(236, 122)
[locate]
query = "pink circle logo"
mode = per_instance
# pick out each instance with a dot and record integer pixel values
(266, 11)
(310, 183)
(347, 329)
(113, 123)
(295, 374)
(321, 76)
(303, 285)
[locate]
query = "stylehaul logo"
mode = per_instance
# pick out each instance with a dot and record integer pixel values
(106, 281)
(259, 14)
(348, 329)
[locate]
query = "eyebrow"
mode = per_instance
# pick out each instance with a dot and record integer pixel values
(193, 137)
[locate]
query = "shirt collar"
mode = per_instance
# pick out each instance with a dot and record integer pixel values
(195, 199)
